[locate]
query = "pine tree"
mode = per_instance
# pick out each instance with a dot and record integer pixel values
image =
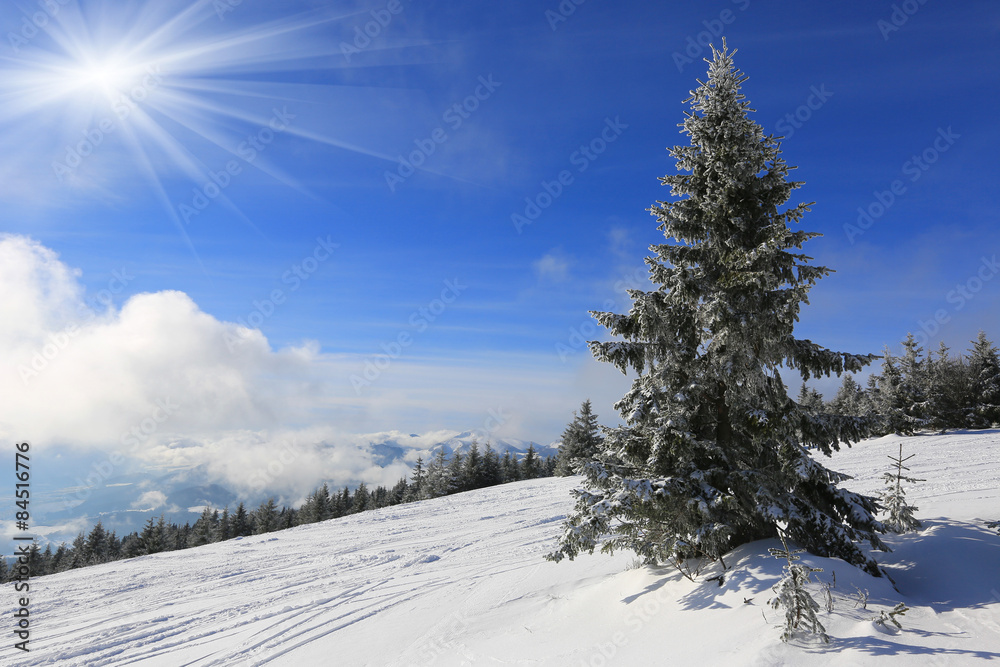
(97, 545)
(946, 390)
(438, 481)
(984, 378)
(418, 480)
(900, 514)
(492, 472)
(849, 399)
(131, 546)
(203, 531)
(399, 492)
(580, 441)
(810, 399)
(242, 523)
(152, 536)
(792, 596)
(913, 384)
(890, 399)
(454, 476)
(710, 455)
(362, 500)
(80, 556)
(472, 469)
(531, 465)
(266, 518)
(509, 469)
(60, 560)
(225, 525)
(36, 561)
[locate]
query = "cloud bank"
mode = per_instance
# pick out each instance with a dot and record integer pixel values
(160, 382)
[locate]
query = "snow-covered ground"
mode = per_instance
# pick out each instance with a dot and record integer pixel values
(461, 581)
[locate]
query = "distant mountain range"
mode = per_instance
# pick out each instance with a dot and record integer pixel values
(126, 501)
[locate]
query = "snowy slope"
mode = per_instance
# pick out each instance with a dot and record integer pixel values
(461, 581)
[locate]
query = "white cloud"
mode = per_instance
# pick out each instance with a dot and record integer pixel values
(161, 381)
(160, 363)
(151, 500)
(553, 266)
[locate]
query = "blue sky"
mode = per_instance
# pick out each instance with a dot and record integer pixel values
(241, 237)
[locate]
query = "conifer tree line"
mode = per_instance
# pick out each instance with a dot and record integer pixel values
(441, 476)
(933, 391)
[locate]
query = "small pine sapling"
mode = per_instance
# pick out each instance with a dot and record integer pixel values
(791, 594)
(900, 519)
(885, 617)
(828, 587)
(862, 600)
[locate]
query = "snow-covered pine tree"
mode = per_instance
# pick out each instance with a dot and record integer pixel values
(242, 521)
(437, 476)
(492, 472)
(946, 388)
(850, 398)
(984, 372)
(265, 519)
(580, 440)
(531, 465)
(709, 456)
(792, 596)
(417, 482)
(203, 531)
(362, 499)
(900, 517)
(890, 398)
(97, 545)
(456, 480)
(810, 399)
(472, 469)
(225, 526)
(510, 471)
(913, 383)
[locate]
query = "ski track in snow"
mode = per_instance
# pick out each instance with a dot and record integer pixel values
(461, 580)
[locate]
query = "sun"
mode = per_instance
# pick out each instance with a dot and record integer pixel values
(107, 76)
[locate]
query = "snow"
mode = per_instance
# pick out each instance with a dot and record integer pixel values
(460, 580)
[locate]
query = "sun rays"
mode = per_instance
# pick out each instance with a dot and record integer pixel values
(152, 99)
